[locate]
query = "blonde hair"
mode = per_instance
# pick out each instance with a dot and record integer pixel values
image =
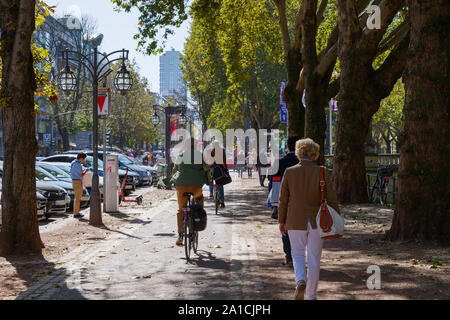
(307, 148)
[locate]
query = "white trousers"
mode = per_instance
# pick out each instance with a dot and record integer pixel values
(309, 241)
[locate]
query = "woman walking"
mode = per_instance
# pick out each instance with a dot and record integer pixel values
(299, 203)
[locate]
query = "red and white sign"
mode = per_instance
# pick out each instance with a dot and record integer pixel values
(104, 101)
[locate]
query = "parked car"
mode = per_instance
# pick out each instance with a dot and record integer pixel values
(153, 171)
(88, 163)
(58, 200)
(125, 163)
(62, 173)
(45, 176)
(67, 158)
(55, 171)
(41, 204)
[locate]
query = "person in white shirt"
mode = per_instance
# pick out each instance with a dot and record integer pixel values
(250, 162)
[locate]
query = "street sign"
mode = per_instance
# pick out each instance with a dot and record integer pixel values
(47, 138)
(104, 102)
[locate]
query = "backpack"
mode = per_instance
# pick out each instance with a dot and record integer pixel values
(199, 217)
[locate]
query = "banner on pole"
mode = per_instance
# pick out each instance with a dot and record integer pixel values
(334, 106)
(283, 108)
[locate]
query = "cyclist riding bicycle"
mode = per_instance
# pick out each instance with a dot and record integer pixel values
(190, 174)
(216, 160)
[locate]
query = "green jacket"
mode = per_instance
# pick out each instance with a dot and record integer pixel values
(191, 174)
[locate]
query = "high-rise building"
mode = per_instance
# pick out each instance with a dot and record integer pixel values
(171, 83)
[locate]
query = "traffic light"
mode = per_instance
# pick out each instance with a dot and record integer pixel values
(108, 138)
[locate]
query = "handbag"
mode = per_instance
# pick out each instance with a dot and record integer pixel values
(330, 223)
(87, 179)
(221, 176)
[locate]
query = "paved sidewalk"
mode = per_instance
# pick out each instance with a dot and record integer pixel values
(239, 257)
(144, 263)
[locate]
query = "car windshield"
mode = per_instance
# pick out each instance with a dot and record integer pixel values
(43, 175)
(65, 169)
(90, 162)
(135, 161)
(125, 160)
(58, 173)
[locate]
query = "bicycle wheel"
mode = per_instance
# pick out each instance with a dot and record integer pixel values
(383, 193)
(187, 240)
(374, 192)
(216, 200)
(195, 241)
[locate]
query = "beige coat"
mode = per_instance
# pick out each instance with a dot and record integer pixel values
(300, 196)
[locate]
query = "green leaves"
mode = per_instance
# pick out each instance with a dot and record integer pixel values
(387, 121)
(155, 16)
(130, 120)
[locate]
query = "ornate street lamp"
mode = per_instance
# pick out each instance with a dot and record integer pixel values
(66, 80)
(123, 80)
(182, 119)
(155, 119)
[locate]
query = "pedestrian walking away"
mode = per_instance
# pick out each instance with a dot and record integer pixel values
(76, 173)
(287, 161)
(300, 199)
(250, 163)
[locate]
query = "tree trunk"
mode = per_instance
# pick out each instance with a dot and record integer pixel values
(296, 110)
(20, 230)
(422, 210)
(349, 166)
(360, 93)
(64, 133)
(315, 117)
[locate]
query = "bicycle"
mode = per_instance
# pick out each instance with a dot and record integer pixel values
(190, 236)
(216, 197)
(380, 187)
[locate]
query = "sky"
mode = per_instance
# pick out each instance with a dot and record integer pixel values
(118, 29)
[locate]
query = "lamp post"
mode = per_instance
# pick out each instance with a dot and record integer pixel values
(168, 111)
(98, 69)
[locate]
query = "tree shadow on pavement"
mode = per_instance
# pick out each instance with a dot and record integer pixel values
(41, 278)
(128, 218)
(205, 259)
(121, 232)
(344, 263)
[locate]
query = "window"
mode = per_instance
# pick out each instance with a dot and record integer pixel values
(171, 81)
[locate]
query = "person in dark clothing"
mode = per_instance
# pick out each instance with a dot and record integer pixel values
(212, 163)
(287, 161)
